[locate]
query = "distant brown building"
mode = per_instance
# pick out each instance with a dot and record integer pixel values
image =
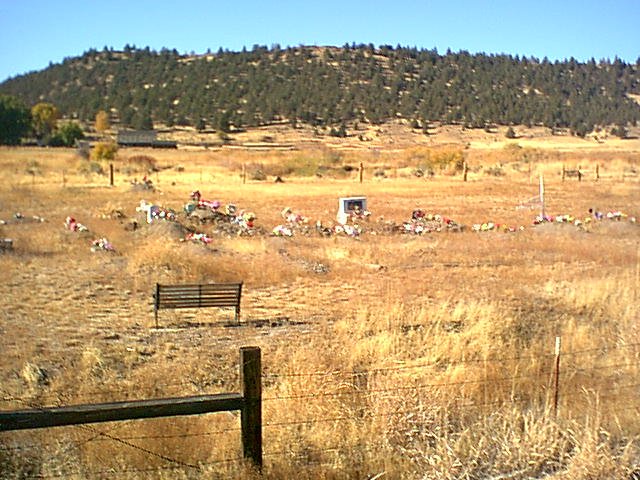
(143, 138)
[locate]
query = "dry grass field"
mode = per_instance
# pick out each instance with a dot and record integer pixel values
(387, 355)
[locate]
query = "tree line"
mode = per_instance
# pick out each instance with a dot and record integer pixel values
(18, 122)
(334, 87)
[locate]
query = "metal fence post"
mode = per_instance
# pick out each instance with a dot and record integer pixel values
(556, 375)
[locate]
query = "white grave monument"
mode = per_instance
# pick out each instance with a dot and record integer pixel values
(348, 205)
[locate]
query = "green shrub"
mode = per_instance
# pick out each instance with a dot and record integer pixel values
(66, 135)
(104, 151)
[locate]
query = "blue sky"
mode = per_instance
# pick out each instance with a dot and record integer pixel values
(34, 33)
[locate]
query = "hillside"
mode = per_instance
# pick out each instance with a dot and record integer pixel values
(340, 89)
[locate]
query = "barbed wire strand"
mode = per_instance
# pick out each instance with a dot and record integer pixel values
(441, 365)
(405, 388)
(336, 373)
(359, 373)
(601, 367)
(501, 402)
(112, 472)
(409, 387)
(97, 393)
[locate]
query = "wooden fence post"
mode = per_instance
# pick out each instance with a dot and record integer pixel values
(251, 414)
(111, 174)
(465, 169)
(556, 375)
(361, 171)
(597, 172)
(563, 172)
(579, 174)
(244, 174)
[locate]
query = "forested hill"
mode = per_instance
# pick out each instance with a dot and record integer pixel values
(334, 86)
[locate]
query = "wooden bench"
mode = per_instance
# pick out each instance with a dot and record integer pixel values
(198, 296)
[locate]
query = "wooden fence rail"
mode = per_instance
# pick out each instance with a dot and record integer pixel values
(249, 402)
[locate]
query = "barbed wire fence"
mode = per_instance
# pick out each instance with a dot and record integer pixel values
(622, 396)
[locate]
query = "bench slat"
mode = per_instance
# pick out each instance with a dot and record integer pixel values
(233, 298)
(221, 298)
(196, 291)
(196, 302)
(203, 292)
(204, 286)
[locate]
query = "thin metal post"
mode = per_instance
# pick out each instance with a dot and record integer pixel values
(542, 213)
(556, 374)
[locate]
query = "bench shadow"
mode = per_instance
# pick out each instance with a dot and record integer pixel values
(252, 322)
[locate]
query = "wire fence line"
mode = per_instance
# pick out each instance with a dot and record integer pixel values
(363, 391)
(100, 436)
(130, 390)
(415, 386)
(113, 473)
(354, 390)
(361, 373)
(436, 364)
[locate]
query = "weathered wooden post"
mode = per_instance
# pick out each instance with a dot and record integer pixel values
(579, 174)
(244, 174)
(465, 169)
(251, 413)
(361, 171)
(563, 172)
(597, 172)
(111, 174)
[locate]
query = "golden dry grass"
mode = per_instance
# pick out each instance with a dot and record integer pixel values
(412, 357)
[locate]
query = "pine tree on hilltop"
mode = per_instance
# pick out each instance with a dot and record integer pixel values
(329, 87)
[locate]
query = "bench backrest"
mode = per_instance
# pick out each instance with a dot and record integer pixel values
(198, 296)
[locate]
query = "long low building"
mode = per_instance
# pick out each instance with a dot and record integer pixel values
(143, 138)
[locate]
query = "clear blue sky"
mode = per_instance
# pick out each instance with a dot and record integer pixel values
(34, 33)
